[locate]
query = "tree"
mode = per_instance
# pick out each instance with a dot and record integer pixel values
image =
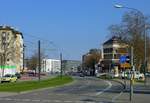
(92, 58)
(132, 30)
(32, 63)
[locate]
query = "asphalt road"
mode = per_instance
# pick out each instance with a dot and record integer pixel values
(83, 90)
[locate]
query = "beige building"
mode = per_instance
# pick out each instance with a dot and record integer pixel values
(11, 50)
(113, 49)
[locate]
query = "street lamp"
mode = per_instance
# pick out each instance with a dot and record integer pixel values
(145, 45)
(145, 61)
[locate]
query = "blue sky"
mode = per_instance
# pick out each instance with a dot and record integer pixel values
(74, 26)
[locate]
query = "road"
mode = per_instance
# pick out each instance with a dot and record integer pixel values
(82, 90)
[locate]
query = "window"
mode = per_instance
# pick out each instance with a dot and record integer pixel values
(108, 50)
(108, 56)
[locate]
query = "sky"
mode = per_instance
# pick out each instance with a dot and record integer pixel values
(70, 27)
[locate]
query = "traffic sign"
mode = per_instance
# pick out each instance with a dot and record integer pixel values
(122, 59)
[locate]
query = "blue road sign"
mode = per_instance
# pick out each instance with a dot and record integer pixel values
(123, 59)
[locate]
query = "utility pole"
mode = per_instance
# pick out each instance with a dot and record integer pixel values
(145, 54)
(39, 52)
(132, 74)
(61, 72)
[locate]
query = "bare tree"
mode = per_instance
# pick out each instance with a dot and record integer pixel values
(32, 63)
(132, 31)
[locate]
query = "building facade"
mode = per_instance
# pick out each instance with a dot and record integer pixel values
(51, 66)
(11, 50)
(113, 49)
(70, 66)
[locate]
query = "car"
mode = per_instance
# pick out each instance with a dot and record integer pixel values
(125, 74)
(81, 74)
(18, 75)
(9, 78)
(136, 74)
(147, 74)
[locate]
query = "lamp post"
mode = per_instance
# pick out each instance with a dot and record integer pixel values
(145, 61)
(145, 44)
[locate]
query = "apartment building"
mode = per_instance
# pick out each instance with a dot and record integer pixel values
(11, 50)
(51, 66)
(113, 49)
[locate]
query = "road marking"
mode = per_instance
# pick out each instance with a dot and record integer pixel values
(109, 86)
(115, 97)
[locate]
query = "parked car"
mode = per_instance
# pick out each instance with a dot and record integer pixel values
(9, 78)
(18, 75)
(136, 74)
(31, 74)
(81, 74)
(125, 74)
(148, 74)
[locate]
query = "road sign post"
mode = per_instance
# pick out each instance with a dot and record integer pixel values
(122, 60)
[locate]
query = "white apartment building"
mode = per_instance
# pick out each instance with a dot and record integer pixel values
(51, 66)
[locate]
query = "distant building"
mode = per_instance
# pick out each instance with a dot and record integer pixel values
(113, 49)
(11, 50)
(51, 66)
(70, 65)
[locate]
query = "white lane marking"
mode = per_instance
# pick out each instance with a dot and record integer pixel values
(109, 86)
(117, 96)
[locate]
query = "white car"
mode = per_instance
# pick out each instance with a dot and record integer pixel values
(136, 75)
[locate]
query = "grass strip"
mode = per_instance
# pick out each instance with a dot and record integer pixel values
(31, 85)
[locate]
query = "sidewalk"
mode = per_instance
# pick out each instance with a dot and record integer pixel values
(141, 93)
(137, 86)
(28, 78)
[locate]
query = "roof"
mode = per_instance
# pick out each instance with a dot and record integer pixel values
(113, 40)
(12, 29)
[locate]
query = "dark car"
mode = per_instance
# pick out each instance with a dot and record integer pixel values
(81, 74)
(148, 74)
(18, 75)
